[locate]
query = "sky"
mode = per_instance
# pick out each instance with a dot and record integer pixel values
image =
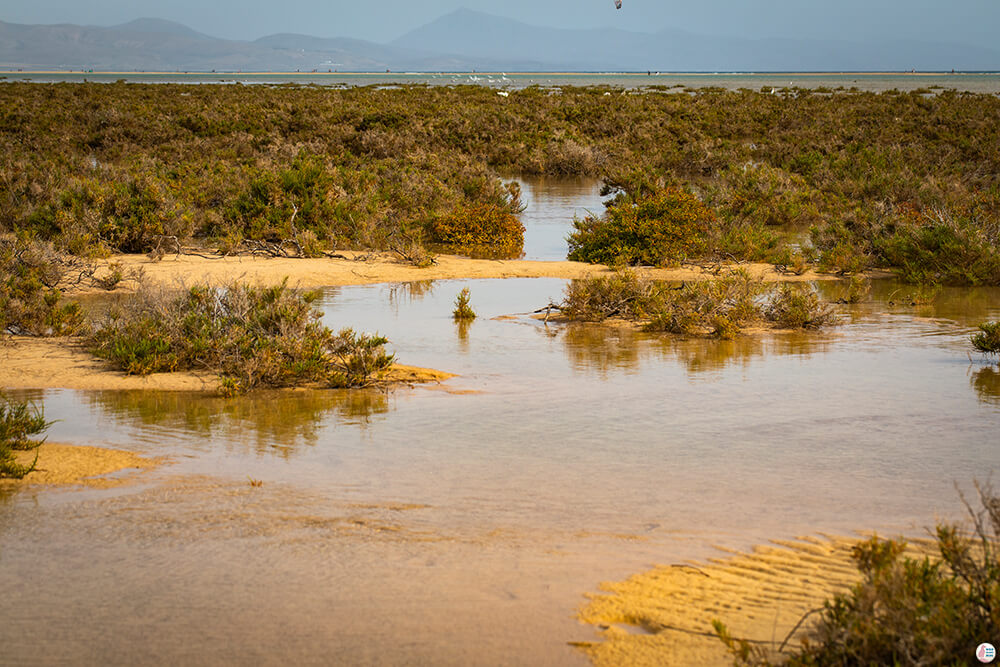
(964, 21)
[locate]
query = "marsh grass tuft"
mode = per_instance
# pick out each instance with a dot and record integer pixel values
(250, 336)
(20, 424)
(463, 311)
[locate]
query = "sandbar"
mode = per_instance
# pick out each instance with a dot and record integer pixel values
(65, 363)
(61, 464)
(367, 268)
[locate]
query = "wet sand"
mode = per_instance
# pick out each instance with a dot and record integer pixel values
(60, 464)
(65, 363)
(664, 616)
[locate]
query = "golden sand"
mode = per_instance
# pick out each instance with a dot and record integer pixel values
(70, 464)
(664, 616)
(175, 270)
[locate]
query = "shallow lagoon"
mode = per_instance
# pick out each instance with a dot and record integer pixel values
(463, 523)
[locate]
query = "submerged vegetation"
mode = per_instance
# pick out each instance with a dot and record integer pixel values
(901, 180)
(721, 308)
(251, 337)
(20, 424)
(906, 611)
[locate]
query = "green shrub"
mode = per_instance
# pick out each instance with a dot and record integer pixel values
(479, 225)
(251, 336)
(906, 611)
(943, 250)
(20, 422)
(661, 229)
(987, 340)
(463, 311)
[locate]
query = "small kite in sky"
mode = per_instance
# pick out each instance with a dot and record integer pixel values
(618, 4)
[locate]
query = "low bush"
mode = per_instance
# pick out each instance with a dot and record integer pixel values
(623, 294)
(987, 340)
(796, 307)
(251, 336)
(906, 611)
(20, 424)
(943, 249)
(659, 229)
(480, 225)
(30, 299)
(721, 307)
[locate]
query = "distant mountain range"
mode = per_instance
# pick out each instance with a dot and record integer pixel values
(464, 40)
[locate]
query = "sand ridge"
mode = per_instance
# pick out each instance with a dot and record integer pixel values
(664, 616)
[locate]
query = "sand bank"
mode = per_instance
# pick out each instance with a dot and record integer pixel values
(385, 268)
(70, 464)
(65, 363)
(664, 616)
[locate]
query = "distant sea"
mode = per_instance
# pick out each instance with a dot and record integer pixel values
(977, 82)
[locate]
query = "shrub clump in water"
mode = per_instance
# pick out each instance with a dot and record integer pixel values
(722, 308)
(987, 340)
(463, 311)
(251, 336)
(20, 422)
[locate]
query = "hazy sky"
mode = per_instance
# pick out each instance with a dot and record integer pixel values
(968, 21)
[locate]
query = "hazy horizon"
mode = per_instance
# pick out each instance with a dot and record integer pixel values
(969, 22)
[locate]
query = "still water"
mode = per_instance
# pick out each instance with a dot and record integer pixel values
(463, 524)
(550, 206)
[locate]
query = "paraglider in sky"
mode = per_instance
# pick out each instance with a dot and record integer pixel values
(618, 4)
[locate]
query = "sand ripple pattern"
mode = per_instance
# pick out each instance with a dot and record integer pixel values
(664, 616)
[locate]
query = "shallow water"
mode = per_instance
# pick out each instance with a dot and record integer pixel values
(463, 526)
(551, 204)
(977, 82)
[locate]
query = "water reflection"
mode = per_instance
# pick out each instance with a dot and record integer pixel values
(408, 292)
(462, 331)
(603, 349)
(986, 383)
(268, 421)
(966, 306)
